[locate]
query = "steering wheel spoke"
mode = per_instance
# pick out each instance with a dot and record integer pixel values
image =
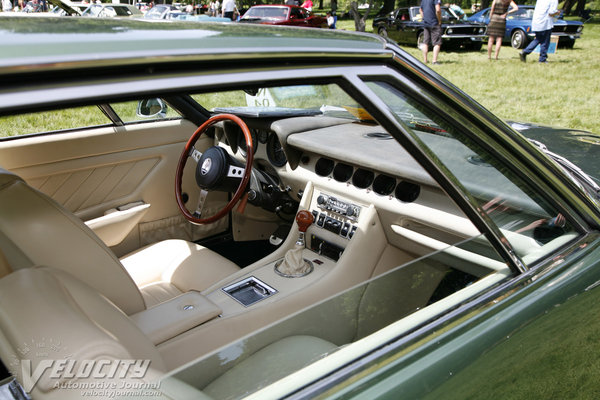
(235, 172)
(213, 167)
(200, 204)
(195, 154)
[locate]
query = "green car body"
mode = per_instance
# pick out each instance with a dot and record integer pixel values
(533, 334)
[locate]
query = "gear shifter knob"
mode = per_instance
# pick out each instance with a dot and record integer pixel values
(304, 219)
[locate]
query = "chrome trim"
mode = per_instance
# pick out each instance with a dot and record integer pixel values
(267, 291)
(451, 36)
(143, 59)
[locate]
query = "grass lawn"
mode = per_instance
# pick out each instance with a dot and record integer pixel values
(563, 93)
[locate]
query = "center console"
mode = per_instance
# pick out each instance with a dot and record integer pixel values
(336, 215)
(336, 220)
(335, 245)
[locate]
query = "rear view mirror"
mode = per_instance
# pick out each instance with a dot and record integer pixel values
(149, 108)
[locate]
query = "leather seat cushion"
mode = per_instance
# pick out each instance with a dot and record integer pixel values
(47, 305)
(36, 230)
(156, 293)
(268, 365)
(185, 265)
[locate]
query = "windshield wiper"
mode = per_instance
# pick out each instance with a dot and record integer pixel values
(573, 170)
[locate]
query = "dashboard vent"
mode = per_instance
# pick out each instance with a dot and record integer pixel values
(378, 135)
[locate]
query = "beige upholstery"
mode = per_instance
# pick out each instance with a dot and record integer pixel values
(171, 267)
(175, 316)
(45, 308)
(268, 365)
(35, 230)
(47, 314)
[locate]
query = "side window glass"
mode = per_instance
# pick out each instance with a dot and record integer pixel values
(529, 222)
(144, 110)
(51, 121)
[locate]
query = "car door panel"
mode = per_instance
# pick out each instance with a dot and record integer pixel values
(120, 165)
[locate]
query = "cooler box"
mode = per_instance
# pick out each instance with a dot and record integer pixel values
(552, 47)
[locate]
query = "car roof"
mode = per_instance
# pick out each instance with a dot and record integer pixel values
(75, 42)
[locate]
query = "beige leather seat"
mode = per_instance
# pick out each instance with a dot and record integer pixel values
(35, 230)
(46, 314)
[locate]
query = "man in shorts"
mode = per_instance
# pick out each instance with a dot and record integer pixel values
(431, 14)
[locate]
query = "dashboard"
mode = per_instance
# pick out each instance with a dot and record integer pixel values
(352, 166)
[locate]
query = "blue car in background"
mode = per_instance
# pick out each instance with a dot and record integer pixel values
(518, 27)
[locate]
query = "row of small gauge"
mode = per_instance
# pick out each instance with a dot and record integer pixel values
(364, 179)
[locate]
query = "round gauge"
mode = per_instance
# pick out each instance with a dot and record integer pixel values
(275, 152)
(241, 142)
(263, 136)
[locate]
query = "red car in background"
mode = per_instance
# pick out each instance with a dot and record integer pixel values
(281, 14)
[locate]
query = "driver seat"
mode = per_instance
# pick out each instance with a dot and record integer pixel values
(36, 230)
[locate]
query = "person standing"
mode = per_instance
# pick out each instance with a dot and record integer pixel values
(6, 5)
(497, 26)
(228, 9)
(541, 25)
(331, 19)
(308, 5)
(431, 14)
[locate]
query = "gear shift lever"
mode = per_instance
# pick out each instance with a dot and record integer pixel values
(304, 219)
(293, 265)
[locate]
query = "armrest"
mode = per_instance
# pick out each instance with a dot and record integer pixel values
(116, 223)
(173, 317)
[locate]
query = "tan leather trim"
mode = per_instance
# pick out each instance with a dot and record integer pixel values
(175, 316)
(64, 242)
(156, 293)
(46, 306)
(186, 265)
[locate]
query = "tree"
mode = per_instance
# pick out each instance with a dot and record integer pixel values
(388, 6)
(567, 6)
(360, 21)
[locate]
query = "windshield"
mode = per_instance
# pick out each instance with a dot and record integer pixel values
(291, 100)
(267, 13)
(512, 206)
(155, 13)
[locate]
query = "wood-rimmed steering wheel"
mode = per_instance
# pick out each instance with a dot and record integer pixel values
(215, 170)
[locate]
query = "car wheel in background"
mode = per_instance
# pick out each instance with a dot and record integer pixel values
(518, 39)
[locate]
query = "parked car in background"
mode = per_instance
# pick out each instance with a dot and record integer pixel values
(199, 18)
(282, 14)
(224, 211)
(405, 26)
(112, 10)
(163, 11)
(66, 7)
(518, 27)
